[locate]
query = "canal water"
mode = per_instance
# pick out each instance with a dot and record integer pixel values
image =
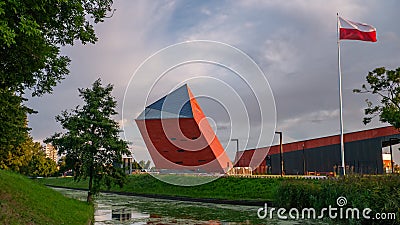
(120, 209)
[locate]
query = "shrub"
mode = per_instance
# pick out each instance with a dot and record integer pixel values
(379, 193)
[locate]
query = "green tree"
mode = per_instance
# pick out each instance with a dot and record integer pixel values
(17, 158)
(135, 165)
(39, 165)
(92, 140)
(63, 166)
(144, 164)
(29, 159)
(386, 85)
(31, 34)
(13, 128)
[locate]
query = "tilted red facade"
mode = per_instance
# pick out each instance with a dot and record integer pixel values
(178, 136)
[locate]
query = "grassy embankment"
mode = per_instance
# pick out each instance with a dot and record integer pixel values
(380, 193)
(23, 201)
(229, 188)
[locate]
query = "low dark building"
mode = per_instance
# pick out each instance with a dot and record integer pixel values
(363, 154)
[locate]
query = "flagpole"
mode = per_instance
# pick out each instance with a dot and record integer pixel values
(342, 170)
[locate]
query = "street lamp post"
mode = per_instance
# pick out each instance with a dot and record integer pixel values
(304, 161)
(280, 151)
(237, 150)
(237, 144)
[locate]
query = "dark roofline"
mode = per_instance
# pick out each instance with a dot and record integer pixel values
(332, 139)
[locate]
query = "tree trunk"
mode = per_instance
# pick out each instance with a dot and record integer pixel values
(90, 193)
(89, 197)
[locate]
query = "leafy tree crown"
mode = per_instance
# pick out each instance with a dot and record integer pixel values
(385, 84)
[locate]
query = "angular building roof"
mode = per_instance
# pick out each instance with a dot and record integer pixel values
(174, 105)
(178, 135)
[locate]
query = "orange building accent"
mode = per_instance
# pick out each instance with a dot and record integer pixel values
(178, 136)
(387, 163)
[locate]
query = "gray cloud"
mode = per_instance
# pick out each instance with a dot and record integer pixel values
(294, 43)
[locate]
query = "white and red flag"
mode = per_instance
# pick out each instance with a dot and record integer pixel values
(356, 31)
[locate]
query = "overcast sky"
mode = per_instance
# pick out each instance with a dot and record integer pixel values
(293, 42)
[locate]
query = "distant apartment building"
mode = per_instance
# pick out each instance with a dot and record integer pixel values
(51, 152)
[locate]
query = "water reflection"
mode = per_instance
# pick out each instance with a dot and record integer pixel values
(126, 215)
(120, 215)
(118, 209)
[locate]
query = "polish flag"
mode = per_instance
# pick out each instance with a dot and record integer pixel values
(356, 31)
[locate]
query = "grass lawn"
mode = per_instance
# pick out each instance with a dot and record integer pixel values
(229, 188)
(23, 201)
